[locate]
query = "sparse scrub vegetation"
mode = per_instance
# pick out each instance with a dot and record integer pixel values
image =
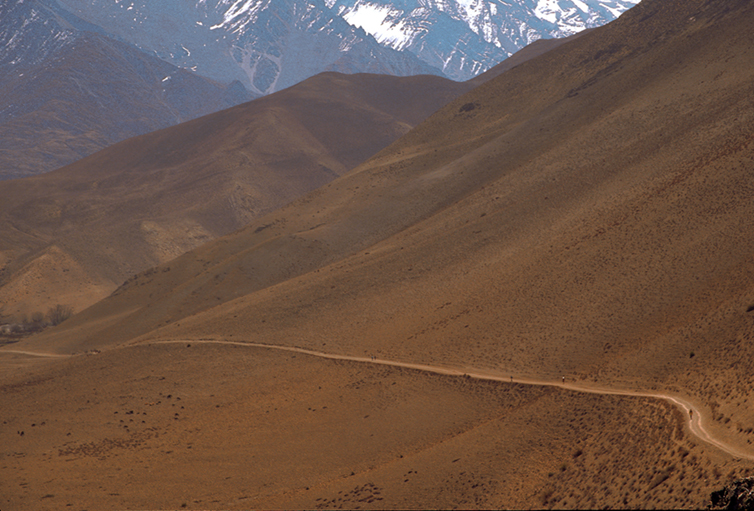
(37, 321)
(58, 314)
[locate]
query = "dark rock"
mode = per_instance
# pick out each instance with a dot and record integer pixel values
(738, 495)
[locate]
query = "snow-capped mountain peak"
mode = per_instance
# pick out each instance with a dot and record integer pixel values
(271, 44)
(466, 37)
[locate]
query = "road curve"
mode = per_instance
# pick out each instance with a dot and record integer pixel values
(694, 418)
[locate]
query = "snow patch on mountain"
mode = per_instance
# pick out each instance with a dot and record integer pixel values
(272, 44)
(381, 23)
(466, 37)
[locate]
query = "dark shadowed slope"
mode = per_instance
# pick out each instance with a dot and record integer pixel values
(73, 235)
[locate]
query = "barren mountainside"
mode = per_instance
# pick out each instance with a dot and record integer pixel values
(538, 297)
(72, 236)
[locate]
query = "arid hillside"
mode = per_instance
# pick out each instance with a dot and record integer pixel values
(72, 236)
(582, 218)
(202, 426)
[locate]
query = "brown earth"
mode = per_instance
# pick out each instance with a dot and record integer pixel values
(585, 214)
(73, 235)
(227, 427)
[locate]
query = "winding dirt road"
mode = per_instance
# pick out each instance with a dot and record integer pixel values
(694, 417)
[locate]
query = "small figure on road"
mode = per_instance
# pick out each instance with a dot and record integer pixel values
(511, 379)
(691, 414)
(563, 379)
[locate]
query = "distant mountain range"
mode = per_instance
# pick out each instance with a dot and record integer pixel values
(79, 75)
(464, 38)
(267, 45)
(68, 89)
(272, 44)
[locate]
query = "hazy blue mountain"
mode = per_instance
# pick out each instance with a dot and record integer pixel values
(69, 90)
(272, 44)
(268, 45)
(467, 37)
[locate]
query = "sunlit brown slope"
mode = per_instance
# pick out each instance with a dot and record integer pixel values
(529, 52)
(202, 426)
(585, 213)
(73, 235)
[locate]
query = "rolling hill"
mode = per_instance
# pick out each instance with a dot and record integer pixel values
(73, 235)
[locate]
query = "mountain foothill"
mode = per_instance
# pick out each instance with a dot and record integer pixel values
(530, 290)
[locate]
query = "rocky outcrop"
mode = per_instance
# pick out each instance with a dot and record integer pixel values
(738, 495)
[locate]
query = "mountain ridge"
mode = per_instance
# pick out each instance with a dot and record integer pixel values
(284, 266)
(195, 181)
(252, 41)
(71, 90)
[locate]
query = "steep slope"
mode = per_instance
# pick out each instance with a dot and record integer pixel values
(268, 46)
(529, 52)
(73, 235)
(70, 90)
(467, 38)
(272, 45)
(585, 213)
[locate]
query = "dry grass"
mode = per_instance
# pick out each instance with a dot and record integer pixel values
(233, 427)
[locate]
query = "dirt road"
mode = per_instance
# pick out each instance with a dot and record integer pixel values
(694, 417)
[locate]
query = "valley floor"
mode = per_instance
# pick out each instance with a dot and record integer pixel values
(191, 424)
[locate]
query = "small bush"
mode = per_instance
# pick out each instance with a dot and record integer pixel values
(468, 107)
(58, 314)
(35, 323)
(4, 318)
